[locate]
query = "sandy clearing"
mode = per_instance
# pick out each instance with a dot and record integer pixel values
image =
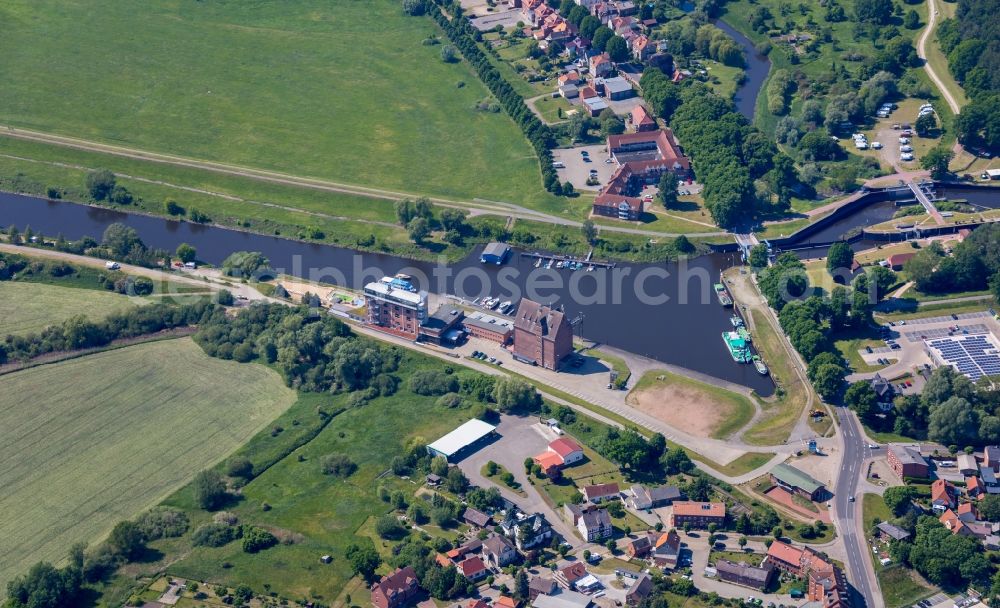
(685, 408)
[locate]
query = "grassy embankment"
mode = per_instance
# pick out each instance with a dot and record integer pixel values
(100, 438)
(782, 412)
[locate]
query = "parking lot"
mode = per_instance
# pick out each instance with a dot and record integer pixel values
(905, 347)
(577, 167)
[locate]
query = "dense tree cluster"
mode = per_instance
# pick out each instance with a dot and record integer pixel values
(312, 352)
(973, 265)
(630, 450)
(971, 40)
(728, 155)
(465, 36)
(953, 560)
(246, 265)
(442, 583)
(950, 410)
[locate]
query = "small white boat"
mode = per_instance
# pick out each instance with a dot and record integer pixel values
(538, 262)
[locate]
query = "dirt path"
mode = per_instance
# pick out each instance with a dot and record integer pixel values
(932, 14)
(476, 207)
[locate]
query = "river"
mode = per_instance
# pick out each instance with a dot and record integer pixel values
(664, 311)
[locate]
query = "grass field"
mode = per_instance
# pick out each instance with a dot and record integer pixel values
(94, 440)
(31, 307)
(901, 587)
(345, 92)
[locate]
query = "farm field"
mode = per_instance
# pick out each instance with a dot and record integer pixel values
(347, 93)
(31, 307)
(94, 440)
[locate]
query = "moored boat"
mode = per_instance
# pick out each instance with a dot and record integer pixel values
(723, 295)
(759, 364)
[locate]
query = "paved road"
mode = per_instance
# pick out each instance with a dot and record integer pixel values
(847, 514)
(932, 14)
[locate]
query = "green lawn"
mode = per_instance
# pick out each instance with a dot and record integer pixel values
(346, 92)
(873, 506)
(31, 307)
(91, 441)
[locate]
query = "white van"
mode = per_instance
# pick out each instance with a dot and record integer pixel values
(112, 265)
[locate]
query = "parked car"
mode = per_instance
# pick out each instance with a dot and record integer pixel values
(907, 156)
(904, 140)
(906, 148)
(876, 145)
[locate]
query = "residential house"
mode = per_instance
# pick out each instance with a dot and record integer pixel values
(896, 261)
(498, 551)
(550, 463)
(569, 575)
(906, 461)
(640, 498)
(639, 590)
(967, 464)
(600, 66)
(639, 548)
(974, 487)
(643, 48)
(967, 512)
(698, 514)
(599, 493)
(542, 335)
(943, 495)
(567, 449)
(476, 518)
(477, 602)
(396, 590)
(826, 582)
(641, 120)
(458, 553)
(797, 482)
(951, 521)
(991, 457)
(570, 77)
(885, 392)
(666, 551)
(989, 479)
(888, 531)
(744, 574)
(526, 531)
(474, 568)
(506, 601)
(540, 586)
(595, 525)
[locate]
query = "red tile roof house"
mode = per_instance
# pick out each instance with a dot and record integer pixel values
(698, 514)
(974, 488)
(599, 493)
(953, 523)
(667, 549)
(942, 495)
(568, 576)
(642, 158)
(551, 464)
(567, 449)
(473, 568)
(897, 260)
(967, 512)
(641, 120)
(396, 590)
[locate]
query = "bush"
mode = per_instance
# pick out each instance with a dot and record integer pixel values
(215, 535)
(210, 490)
(256, 539)
(162, 522)
(100, 184)
(240, 467)
(338, 465)
(389, 528)
(432, 382)
(450, 400)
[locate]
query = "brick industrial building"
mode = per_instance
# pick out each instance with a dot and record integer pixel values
(642, 158)
(542, 335)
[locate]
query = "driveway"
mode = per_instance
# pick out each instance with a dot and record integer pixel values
(520, 438)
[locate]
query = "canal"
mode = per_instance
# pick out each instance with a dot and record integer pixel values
(665, 311)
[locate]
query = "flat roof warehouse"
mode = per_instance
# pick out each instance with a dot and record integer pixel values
(462, 440)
